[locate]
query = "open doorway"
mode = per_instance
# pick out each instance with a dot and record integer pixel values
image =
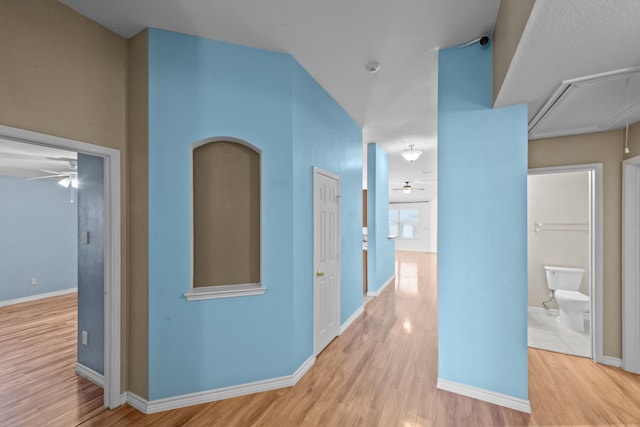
(565, 259)
(109, 286)
(631, 266)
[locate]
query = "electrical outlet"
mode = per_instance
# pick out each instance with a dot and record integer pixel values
(85, 337)
(34, 281)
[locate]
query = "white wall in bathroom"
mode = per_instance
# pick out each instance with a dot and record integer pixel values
(557, 198)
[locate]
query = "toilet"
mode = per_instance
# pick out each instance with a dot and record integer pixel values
(565, 282)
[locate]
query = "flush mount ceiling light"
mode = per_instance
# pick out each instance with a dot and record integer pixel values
(411, 155)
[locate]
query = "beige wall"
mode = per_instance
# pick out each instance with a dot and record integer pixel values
(64, 75)
(605, 148)
(138, 138)
(556, 198)
(512, 18)
(226, 214)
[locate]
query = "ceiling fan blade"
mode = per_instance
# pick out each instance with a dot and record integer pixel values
(46, 176)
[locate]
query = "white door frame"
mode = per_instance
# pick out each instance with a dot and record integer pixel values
(595, 250)
(112, 255)
(317, 171)
(631, 265)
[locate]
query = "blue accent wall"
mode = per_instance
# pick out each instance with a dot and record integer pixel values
(482, 234)
(198, 89)
(381, 249)
(91, 261)
(38, 229)
(326, 137)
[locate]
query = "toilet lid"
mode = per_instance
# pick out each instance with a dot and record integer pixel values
(572, 295)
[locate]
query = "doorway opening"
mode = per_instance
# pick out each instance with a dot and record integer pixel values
(326, 253)
(110, 159)
(565, 230)
(631, 266)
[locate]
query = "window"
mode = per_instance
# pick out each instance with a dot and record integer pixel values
(226, 221)
(403, 223)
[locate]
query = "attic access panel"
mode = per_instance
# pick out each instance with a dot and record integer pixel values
(590, 104)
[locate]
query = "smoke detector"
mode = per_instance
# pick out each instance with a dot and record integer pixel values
(373, 67)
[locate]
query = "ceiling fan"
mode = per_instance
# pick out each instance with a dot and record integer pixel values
(407, 188)
(67, 177)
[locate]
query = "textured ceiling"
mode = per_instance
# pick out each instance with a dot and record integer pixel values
(572, 39)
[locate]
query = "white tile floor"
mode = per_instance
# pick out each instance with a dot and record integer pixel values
(547, 334)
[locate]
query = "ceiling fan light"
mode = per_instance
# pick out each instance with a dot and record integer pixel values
(406, 189)
(65, 182)
(410, 154)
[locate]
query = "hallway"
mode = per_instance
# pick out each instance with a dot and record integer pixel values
(381, 372)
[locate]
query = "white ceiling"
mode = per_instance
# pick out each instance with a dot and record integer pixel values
(30, 160)
(334, 40)
(564, 40)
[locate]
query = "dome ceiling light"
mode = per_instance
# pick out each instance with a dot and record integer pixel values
(410, 154)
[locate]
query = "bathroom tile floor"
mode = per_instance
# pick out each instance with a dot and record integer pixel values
(546, 333)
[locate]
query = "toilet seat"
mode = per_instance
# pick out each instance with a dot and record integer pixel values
(571, 295)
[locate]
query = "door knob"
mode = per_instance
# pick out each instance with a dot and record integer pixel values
(320, 273)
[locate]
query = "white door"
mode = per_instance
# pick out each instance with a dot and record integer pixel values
(326, 288)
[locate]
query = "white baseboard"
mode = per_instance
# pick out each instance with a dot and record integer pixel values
(611, 361)
(551, 311)
(137, 402)
(500, 399)
(376, 293)
(38, 296)
(93, 376)
(350, 320)
(153, 406)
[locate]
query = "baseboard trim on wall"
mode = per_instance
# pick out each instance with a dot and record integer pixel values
(552, 311)
(160, 405)
(612, 361)
(38, 296)
(88, 373)
(350, 320)
(137, 402)
(376, 293)
(500, 399)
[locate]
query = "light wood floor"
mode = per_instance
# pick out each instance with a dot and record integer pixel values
(381, 372)
(38, 383)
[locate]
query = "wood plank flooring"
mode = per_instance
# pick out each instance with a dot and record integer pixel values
(38, 383)
(381, 372)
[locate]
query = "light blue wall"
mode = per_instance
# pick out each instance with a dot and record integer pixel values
(199, 89)
(91, 261)
(326, 137)
(381, 250)
(38, 229)
(482, 234)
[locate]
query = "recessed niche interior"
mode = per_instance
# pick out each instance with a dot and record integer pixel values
(226, 214)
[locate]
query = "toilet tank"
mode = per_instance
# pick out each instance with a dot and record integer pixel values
(563, 278)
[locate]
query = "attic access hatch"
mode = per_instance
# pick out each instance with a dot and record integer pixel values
(595, 103)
